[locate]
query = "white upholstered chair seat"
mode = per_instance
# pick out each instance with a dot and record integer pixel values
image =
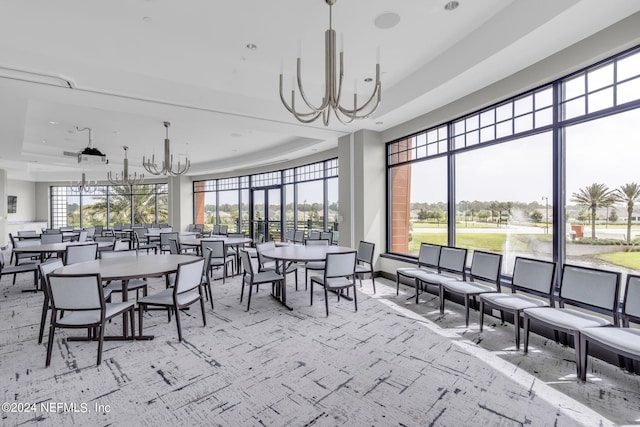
(266, 276)
(566, 318)
(333, 282)
(624, 339)
(93, 316)
(166, 298)
(433, 278)
(463, 287)
(513, 302)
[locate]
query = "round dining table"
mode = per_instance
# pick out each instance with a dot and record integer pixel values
(52, 248)
(126, 268)
(300, 253)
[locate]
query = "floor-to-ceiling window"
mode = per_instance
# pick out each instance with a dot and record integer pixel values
(550, 173)
(268, 204)
(108, 205)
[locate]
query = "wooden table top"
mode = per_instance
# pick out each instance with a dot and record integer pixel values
(129, 267)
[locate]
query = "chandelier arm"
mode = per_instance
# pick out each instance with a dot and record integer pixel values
(325, 101)
(356, 110)
(341, 76)
(291, 108)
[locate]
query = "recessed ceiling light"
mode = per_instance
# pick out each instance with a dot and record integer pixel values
(146, 18)
(452, 5)
(251, 46)
(44, 141)
(53, 123)
(387, 20)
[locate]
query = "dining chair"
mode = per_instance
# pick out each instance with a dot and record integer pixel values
(21, 256)
(364, 262)
(313, 265)
(20, 268)
(132, 284)
(105, 239)
(186, 291)
(164, 240)
(339, 274)
(266, 264)
(81, 298)
(625, 341)
(314, 235)
(451, 265)
(216, 229)
(143, 244)
(206, 279)
(46, 268)
(91, 233)
(224, 229)
(289, 235)
(428, 259)
(531, 286)
(251, 278)
(82, 236)
(219, 257)
(174, 247)
(588, 290)
(80, 253)
(298, 236)
(484, 277)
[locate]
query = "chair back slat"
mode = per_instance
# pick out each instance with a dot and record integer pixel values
(298, 236)
(365, 252)
(429, 255)
(45, 269)
(46, 239)
(631, 307)
(189, 276)
(216, 246)
(314, 235)
(340, 264)
(316, 242)
(80, 253)
(247, 267)
(533, 275)
(261, 247)
(486, 266)
(76, 292)
(174, 247)
(116, 254)
(590, 286)
(453, 259)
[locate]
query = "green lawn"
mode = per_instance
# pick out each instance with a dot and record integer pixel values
(624, 259)
(488, 241)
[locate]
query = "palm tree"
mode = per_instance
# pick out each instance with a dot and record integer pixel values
(629, 194)
(592, 197)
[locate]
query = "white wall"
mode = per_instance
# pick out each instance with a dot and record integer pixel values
(26, 193)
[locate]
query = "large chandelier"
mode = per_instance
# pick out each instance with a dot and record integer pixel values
(84, 185)
(333, 88)
(168, 167)
(125, 178)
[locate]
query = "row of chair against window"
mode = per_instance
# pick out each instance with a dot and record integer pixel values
(299, 236)
(588, 307)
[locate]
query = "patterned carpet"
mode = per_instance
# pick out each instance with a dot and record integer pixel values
(389, 363)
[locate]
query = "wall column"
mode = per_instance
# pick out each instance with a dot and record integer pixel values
(180, 202)
(3, 208)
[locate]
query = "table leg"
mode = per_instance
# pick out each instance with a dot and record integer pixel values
(282, 297)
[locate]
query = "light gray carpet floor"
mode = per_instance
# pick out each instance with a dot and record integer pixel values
(389, 363)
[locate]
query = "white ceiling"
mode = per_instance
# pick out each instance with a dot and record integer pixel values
(134, 64)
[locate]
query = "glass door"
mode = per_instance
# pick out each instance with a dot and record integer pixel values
(266, 213)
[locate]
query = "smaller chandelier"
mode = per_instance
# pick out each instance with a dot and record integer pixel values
(84, 186)
(333, 88)
(125, 178)
(168, 167)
